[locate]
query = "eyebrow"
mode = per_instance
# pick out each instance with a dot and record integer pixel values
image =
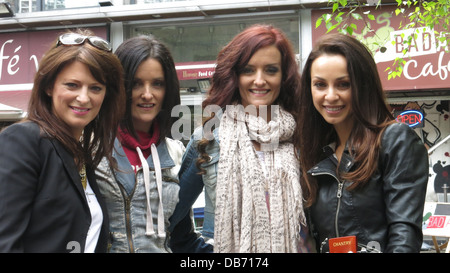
(154, 79)
(272, 64)
(340, 78)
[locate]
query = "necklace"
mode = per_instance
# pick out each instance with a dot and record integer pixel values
(83, 176)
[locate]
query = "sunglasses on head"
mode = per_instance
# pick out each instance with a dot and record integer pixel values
(70, 39)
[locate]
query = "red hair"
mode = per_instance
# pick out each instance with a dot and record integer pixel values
(236, 55)
(233, 58)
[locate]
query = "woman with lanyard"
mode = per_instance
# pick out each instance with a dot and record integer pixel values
(364, 174)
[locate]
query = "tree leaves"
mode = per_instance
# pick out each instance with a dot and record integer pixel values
(433, 15)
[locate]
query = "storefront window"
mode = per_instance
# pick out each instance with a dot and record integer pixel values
(25, 6)
(195, 47)
(159, 1)
(54, 4)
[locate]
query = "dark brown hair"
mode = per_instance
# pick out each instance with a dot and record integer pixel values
(369, 108)
(99, 134)
(132, 53)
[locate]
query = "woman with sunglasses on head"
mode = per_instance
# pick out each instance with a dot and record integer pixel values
(49, 198)
(364, 174)
(253, 200)
(142, 194)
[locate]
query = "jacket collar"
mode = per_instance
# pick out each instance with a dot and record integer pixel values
(71, 168)
(330, 162)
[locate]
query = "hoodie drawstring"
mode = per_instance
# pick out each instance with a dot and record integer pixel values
(161, 226)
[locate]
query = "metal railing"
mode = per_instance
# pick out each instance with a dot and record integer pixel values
(431, 150)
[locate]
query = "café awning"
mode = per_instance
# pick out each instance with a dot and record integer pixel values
(13, 104)
(16, 99)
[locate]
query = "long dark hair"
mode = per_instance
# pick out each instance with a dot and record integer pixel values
(132, 53)
(369, 108)
(99, 134)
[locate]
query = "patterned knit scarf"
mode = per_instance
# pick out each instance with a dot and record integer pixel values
(258, 206)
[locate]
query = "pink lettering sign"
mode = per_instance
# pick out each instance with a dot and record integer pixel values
(427, 60)
(436, 222)
(20, 53)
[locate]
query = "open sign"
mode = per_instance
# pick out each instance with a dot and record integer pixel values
(414, 118)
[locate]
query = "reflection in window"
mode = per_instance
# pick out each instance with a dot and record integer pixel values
(78, 3)
(54, 4)
(158, 1)
(195, 46)
(202, 42)
(25, 6)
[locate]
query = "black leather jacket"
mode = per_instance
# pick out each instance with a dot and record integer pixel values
(387, 212)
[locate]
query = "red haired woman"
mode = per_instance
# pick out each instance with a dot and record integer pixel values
(250, 166)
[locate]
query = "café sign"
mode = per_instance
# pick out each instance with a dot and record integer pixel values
(427, 60)
(20, 53)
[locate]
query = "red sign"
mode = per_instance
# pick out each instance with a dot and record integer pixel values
(436, 222)
(342, 244)
(427, 61)
(20, 53)
(195, 70)
(414, 118)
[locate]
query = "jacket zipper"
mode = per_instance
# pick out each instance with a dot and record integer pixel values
(128, 211)
(338, 195)
(127, 200)
(128, 224)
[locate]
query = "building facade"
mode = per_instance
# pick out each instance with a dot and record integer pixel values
(196, 30)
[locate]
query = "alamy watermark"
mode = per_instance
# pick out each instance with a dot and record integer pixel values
(182, 128)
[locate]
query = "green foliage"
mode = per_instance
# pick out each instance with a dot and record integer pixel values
(341, 14)
(433, 15)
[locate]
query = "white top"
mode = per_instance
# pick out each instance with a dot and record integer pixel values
(97, 220)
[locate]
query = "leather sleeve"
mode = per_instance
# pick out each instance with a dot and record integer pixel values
(404, 169)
